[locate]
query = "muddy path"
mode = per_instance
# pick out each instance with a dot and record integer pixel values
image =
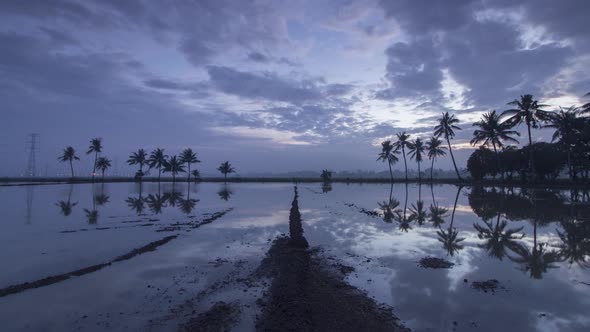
(309, 294)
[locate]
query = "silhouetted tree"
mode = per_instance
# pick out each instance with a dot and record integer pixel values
(138, 158)
(388, 154)
(225, 168)
(529, 111)
(493, 131)
(157, 160)
(196, 175)
(434, 148)
(416, 150)
(326, 175)
(447, 125)
(188, 157)
(96, 148)
(480, 163)
(403, 142)
(69, 155)
(156, 202)
(174, 166)
(102, 164)
(567, 125)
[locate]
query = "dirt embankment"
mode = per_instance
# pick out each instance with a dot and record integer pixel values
(308, 295)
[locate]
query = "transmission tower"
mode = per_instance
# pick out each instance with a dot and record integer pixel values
(32, 147)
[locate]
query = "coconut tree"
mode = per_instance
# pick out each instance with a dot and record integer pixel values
(527, 110)
(102, 164)
(138, 158)
(388, 154)
(326, 175)
(435, 149)
(157, 160)
(69, 155)
(196, 175)
(567, 125)
(174, 166)
(225, 168)
(416, 150)
(156, 202)
(447, 124)
(402, 143)
(495, 132)
(437, 213)
(96, 148)
(188, 157)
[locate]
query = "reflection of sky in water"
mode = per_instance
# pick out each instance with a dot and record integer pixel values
(385, 258)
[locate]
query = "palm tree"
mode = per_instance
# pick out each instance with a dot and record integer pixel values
(173, 166)
(102, 164)
(387, 154)
(567, 125)
(530, 112)
(196, 175)
(403, 142)
(389, 209)
(69, 154)
(492, 130)
(447, 126)
(188, 157)
(538, 260)
(138, 158)
(96, 148)
(434, 148)
(157, 160)
(226, 168)
(326, 175)
(416, 150)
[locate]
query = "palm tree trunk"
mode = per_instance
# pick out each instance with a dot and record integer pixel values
(103, 175)
(390, 172)
(455, 207)
(453, 158)
(71, 168)
(431, 168)
(94, 168)
(224, 177)
(569, 163)
(531, 162)
(419, 176)
(188, 179)
(405, 164)
(159, 174)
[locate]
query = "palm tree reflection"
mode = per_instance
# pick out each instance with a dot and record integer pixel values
(225, 192)
(497, 238)
(187, 205)
(156, 202)
(575, 242)
(450, 237)
(136, 204)
(67, 206)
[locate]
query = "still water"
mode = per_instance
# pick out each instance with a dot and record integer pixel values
(533, 246)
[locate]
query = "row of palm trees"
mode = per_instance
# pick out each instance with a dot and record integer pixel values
(572, 129)
(157, 159)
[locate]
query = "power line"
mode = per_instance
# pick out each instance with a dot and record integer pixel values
(32, 147)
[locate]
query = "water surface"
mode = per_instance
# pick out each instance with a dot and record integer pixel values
(534, 243)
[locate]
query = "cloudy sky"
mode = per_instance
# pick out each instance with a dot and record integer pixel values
(274, 85)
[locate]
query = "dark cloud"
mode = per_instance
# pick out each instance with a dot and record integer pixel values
(262, 85)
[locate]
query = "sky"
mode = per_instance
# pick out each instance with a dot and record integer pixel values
(274, 86)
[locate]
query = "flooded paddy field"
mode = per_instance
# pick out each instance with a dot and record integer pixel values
(248, 256)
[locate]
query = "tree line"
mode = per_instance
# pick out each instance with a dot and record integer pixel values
(569, 147)
(157, 159)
